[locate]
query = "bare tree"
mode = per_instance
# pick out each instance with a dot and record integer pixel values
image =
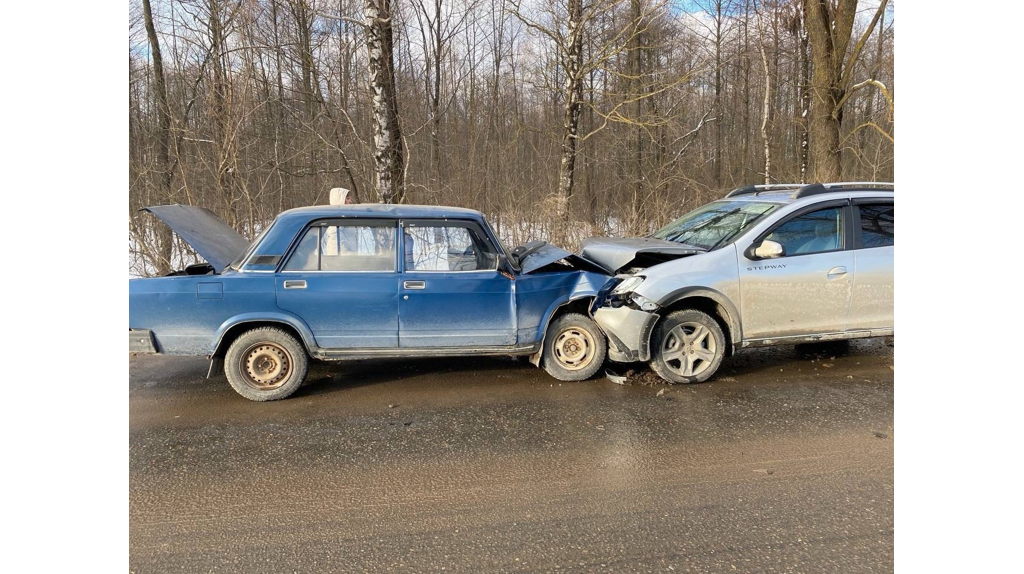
(163, 149)
(389, 157)
(829, 29)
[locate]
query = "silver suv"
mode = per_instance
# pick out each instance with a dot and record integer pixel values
(765, 265)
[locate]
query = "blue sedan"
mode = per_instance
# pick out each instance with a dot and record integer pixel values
(363, 281)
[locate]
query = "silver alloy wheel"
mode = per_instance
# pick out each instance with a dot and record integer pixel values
(265, 366)
(574, 349)
(689, 349)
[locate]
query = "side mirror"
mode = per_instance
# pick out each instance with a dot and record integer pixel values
(769, 250)
(505, 264)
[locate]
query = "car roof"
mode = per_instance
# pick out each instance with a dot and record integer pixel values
(381, 210)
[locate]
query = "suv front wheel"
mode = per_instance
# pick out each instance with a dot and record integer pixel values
(688, 347)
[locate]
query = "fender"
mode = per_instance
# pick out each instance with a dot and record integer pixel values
(550, 313)
(277, 317)
(732, 315)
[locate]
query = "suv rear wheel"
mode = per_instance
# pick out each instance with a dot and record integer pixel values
(688, 347)
(266, 364)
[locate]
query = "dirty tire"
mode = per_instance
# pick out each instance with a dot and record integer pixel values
(687, 334)
(574, 348)
(266, 364)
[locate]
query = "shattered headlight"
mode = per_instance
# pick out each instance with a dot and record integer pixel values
(629, 284)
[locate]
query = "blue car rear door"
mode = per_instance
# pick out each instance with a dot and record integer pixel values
(342, 280)
(451, 292)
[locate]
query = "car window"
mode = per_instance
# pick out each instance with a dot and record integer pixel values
(345, 248)
(813, 232)
(877, 225)
(446, 248)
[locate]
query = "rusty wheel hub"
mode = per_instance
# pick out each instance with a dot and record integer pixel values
(266, 366)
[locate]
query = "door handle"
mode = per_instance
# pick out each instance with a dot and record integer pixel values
(294, 284)
(414, 284)
(836, 272)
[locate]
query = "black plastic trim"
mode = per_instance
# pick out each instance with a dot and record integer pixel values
(141, 341)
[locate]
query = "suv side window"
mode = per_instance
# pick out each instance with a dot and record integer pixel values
(345, 248)
(877, 225)
(814, 232)
(446, 247)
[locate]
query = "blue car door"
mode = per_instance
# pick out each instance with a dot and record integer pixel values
(342, 280)
(452, 294)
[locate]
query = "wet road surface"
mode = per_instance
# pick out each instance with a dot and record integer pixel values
(783, 464)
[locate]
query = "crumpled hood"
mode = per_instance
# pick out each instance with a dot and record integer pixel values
(213, 239)
(541, 253)
(615, 254)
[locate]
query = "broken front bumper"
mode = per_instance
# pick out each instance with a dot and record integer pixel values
(140, 341)
(629, 332)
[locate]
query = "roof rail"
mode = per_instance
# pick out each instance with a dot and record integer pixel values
(751, 189)
(819, 188)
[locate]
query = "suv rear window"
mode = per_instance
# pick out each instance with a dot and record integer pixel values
(877, 225)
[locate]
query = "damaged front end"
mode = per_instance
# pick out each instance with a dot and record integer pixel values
(633, 254)
(628, 319)
(537, 255)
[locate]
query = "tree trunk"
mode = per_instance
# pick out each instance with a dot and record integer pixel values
(571, 113)
(720, 124)
(388, 156)
(164, 237)
(829, 30)
(805, 98)
(435, 97)
(224, 135)
(766, 110)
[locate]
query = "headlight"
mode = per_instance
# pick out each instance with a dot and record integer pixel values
(628, 284)
(644, 303)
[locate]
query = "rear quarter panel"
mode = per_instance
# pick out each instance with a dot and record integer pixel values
(186, 314)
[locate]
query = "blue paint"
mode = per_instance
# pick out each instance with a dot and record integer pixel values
(189, 315)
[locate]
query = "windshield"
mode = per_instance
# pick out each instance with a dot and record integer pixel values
(714, 224)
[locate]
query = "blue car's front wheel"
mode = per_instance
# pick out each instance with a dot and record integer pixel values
(574, 348)
(265, 364)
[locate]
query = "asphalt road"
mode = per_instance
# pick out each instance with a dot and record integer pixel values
(783, 464)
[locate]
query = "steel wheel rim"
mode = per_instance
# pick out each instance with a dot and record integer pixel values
(265, 366)
(689, 349)
(574, 349)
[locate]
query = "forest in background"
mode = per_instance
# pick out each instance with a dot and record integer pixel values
(559, 119)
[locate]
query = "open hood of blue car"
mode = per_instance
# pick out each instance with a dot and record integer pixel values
(213, 239)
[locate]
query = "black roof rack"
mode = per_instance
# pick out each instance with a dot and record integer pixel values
(804, 190)
(751, 189)
(818, 188)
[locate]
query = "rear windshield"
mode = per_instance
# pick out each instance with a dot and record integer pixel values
(715, 224)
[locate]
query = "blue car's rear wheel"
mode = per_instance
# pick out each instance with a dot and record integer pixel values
(266, 364)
